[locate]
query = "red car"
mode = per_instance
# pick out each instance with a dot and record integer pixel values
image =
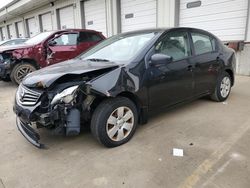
(44, 49)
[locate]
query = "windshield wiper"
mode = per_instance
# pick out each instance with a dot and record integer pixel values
(97, 59)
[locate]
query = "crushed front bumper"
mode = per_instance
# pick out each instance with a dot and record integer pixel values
(4, 70)
(24, 125)
(29, 133)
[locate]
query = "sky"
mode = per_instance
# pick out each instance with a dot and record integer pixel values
(4, 2)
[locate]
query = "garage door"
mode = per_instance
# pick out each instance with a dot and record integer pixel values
(95, 15)
(1, 34)
(32, 27)
(226, 19)
(11, 31)
(66, 17)
(20, 30)
(5, 34)
(138, 14)
(46, 22)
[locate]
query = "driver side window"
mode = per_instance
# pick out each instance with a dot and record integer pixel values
(175, 45)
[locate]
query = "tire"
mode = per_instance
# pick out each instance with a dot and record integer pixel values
(120, 129)
(20, 70)
(222, 88)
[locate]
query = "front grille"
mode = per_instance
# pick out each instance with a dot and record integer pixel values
(27, 97)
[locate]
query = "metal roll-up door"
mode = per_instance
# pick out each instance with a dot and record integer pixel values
(5, 33)
(66, 17)
(138, 14)
(1, 34)
(11, 31)
(20, 29)
(32, 27)
(95, 15)
(226, 19)
(46, 22)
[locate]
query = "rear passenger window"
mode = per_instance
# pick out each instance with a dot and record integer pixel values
(89, 37)
(93, 37)
(202, 43)
(83, 37)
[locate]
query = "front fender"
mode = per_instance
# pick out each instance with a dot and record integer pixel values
(26, 53)
(115, 82)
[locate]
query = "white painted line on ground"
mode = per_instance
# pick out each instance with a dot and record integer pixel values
(207, 164)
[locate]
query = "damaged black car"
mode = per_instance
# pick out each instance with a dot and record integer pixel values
(115, 85)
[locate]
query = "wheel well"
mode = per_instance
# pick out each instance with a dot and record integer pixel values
(231, 74)
(132, 97)
(142, 112)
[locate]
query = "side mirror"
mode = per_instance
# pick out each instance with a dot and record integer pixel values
(160, 59)
(52, 43)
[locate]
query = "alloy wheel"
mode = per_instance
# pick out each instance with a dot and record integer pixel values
(22, 71)
(120, 123)
(225, 87)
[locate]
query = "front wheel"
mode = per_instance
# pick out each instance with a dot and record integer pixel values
(222, 88)
(20, 71)
(114, 121)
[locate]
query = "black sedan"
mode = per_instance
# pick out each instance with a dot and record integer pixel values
(114, 86)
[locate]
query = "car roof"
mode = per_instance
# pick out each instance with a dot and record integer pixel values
(74, 30)
(162, 30)
(159, 30)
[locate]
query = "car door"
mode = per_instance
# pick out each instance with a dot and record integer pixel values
(62, 47)
(172, 82)
(94, 38)
(83, 42)
(205, 61)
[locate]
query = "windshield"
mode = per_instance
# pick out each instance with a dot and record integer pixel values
(39, 38)
(119, 48)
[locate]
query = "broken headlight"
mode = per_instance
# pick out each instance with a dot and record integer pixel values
(66, 96)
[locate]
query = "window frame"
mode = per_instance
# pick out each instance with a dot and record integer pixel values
(164, 35)
(211, 38)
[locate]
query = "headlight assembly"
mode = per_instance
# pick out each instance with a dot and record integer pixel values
(67, 95)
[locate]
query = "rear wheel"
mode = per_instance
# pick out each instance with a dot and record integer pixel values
(114, 121)
(222, 88)
(20, 71)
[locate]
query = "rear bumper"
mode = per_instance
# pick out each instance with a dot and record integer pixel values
(29, 133)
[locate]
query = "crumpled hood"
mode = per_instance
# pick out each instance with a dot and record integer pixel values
(48, 75)
(14, 47)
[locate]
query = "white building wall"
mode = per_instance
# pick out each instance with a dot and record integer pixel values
(138, 14)
(164, 15)
(45, 9)
(243, 63)
(167, 13)
(226, 19)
